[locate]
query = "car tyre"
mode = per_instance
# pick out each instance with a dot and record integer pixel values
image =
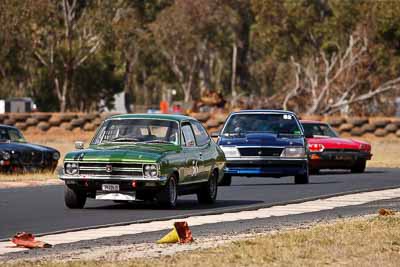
(207, 194)
(302, 178)
(314, 171)
(169, 194)
(74, 199)
(359, 166)
(226, 180)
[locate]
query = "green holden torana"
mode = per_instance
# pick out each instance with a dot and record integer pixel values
(144, 157)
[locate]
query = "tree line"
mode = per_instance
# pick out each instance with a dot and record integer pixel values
(310, 56)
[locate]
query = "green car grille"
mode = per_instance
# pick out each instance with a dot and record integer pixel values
(86, 168)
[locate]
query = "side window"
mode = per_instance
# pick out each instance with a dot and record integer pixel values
(15, 135)
(200, 133)
(188, 136)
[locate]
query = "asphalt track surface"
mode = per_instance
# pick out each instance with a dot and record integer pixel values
(42, 210)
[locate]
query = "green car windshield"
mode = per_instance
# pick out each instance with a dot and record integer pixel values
(11, 135)
(138, 131)
(262, 123)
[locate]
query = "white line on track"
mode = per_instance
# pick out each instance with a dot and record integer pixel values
(281, 210)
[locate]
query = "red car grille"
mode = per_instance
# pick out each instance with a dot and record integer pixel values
(342, 150)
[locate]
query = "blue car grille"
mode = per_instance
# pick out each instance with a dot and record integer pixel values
(264, 164)
(260, 151)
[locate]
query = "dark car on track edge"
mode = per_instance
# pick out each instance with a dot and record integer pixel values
(19, 156)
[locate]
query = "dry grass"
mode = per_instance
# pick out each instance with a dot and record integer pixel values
(27, 177)
(357, 242)
(386, 153)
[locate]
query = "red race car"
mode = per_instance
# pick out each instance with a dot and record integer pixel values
(329, 151)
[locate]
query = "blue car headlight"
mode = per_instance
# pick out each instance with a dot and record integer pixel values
(294, 152)
(230, 151)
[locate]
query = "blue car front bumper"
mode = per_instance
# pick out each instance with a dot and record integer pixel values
(265, 167)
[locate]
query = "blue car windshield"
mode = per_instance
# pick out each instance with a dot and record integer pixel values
(262, 123)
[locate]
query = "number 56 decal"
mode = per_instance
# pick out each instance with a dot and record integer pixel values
(195, 168)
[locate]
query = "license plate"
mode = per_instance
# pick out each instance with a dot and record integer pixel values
(116, 196)
(344, 157)
(110, 187)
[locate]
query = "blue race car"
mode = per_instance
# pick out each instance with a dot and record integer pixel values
(264, 143)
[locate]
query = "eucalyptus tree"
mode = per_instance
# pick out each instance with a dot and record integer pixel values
(189, 34)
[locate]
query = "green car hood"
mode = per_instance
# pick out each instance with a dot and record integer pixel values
(123, 153)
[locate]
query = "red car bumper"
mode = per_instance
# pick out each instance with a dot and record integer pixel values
(336, 159)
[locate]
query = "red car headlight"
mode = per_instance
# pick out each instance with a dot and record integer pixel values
(316, 147)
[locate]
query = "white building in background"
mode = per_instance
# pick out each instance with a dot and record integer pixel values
(14, 105)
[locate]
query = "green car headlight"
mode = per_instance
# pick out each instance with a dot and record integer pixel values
(150, 170)
(294, 152)
(71, 168)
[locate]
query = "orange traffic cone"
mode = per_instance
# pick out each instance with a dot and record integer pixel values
(27, 240)
(181, 233)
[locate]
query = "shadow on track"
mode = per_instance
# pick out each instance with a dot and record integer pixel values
(285, 184)
(345, 172)
(182, 205)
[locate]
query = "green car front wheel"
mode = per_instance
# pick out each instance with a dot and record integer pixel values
(207, 194)
(74, 199)
(169, 194)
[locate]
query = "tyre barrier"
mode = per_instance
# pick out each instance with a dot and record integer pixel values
(380, 123)
(213, 121)
(380, 132)
(358, 121)
(336, 122)
(31, 122)
(368, 128)
(357, 131)
(391, 128)
(346, 127)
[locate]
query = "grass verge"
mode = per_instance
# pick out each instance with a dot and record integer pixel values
(45, 176)
(356, 242)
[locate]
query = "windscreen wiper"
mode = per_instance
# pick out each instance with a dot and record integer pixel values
(288, 134)
(124, 139)
(159, 141)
